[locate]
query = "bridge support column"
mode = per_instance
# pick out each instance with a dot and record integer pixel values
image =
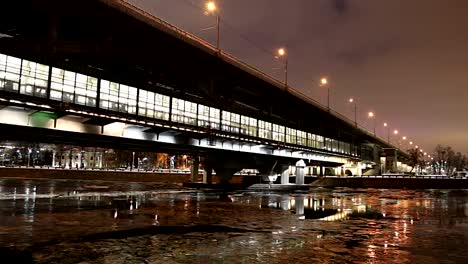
(359, 169)
(208, 174)
(321, 171)
(195, 167)
(300, 165)
(285, 174)
(53, 158)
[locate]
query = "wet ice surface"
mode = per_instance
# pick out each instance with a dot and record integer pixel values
(50, 221)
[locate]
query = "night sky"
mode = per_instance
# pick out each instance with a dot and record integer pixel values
(407, 61)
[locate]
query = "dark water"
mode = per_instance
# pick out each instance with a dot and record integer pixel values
(52, 221)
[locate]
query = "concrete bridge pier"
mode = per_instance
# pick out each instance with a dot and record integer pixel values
(300, 165)
(208, 172)
(195, 168)
(284, 174)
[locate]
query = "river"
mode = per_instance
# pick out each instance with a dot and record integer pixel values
(72, 221)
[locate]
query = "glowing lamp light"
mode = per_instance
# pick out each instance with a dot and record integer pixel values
(281, 51)
(211, 6)
(371, 114)
(323, 81)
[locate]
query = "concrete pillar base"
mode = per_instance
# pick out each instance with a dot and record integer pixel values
(300, 165)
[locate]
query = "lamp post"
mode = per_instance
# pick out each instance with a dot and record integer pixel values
(324, 83)
(282, 53)
(388, 132)
(351, 100)
(29, 155)
(372, 116)
(395, 132)
(211, 7)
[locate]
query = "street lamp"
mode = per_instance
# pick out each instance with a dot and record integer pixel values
(351, 100)
(395, 132)
(282, 53)
(212, 8)
(388, 132)
(371, 116)
(324, 82)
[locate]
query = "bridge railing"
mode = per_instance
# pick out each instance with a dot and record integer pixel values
(399, 177)
(178, 32)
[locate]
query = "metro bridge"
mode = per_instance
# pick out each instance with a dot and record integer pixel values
(105, 73)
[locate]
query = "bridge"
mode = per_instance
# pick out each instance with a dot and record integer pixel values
(105, 73)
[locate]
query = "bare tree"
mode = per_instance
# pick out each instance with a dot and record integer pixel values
(415, 158)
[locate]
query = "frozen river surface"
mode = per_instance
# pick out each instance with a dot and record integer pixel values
(52, 221)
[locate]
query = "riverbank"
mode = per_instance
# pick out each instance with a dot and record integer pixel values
(115, 175)
(237, 181)
(392, 183)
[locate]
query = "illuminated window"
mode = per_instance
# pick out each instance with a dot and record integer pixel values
(34, 79)
(153, 105)
(290, 135)
(265, 130)
(10, 68)
(86, 90)
(118, 97)
(184, 112)
(311, 140)
(335, 145)
(278, 133)
(230, 122)
(208, 116)
(62, 87)
(301, 138)
(319, 142)
(327, 144)
(248, 126)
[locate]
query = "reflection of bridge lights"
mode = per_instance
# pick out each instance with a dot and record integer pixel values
(116, 214)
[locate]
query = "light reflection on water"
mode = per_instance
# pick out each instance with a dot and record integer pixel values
(340, 225)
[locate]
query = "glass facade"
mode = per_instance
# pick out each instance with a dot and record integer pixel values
(10, 72)
(31, 78)
(153, 105)
(319, 142)
(184, 112)
(291, 135)
(34, 79)
(208, 116)
(230, 122)
(248, 126)
(118, 97)
(301, 138)
(265, 130)
(278, 133)
(71, 87)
